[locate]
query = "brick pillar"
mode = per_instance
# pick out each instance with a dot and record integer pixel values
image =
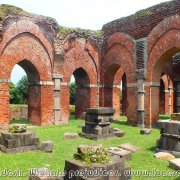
(34, 104)
(154, 104)
(4, 105)
(116, 101)
(57, 88)
(47, 103)
(82, 100)
(41, 103)
(131, 104)
(65, 102)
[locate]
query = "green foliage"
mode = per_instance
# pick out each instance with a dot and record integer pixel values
(19, 93)
(16, 129)
(6, 9)
(64, 31)
(98, 155)
(72, 93)
(72, 109)
(22, 88)
(15, 97)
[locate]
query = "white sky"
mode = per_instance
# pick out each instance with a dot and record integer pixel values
(87, 14)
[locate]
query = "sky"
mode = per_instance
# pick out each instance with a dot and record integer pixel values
(86, 14)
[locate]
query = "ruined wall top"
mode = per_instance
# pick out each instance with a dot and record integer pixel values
(10, 14)
(140, 24)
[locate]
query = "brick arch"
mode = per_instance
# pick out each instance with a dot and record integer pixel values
(166, 46)
(161, 52)
(162, 28)
(123, 39)
(26, 26)
(120, 55)
(28, 55)
(18, 49)
(76, 57)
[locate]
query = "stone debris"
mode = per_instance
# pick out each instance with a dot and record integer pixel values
(175, 163)
(129, 147)
(119, 133)
(145, 131)
(170, 136)
(122, 153)
(47, 146)
(70, 135)
(164, 155)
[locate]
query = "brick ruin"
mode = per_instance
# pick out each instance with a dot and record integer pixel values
(141, 51)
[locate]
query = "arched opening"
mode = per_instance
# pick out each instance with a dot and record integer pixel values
(115, 90)
(162, 96)
(81, 100)
(30, 90)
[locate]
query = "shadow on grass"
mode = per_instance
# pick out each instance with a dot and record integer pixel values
(119, 122)
(21, 121)
(152, 149)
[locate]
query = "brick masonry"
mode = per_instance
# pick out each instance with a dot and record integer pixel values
(138, 47)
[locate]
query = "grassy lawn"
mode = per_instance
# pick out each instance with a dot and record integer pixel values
(65, 148)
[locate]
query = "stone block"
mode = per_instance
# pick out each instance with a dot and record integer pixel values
(164, 155)
(175, 117)
(119, 133)
(47, 146)
(97, 123)
(122, 153)
(145, 131)
(129, 147)
(175, 164)
(70, 135)
(84, 148)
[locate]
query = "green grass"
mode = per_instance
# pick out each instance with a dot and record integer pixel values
(65, 148)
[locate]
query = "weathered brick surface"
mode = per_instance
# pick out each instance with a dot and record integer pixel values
(139, 47)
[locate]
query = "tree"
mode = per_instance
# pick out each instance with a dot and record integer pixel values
(15, 97)
(22, 88)
(72, 93)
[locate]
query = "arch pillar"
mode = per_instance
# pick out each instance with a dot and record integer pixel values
(4, 105)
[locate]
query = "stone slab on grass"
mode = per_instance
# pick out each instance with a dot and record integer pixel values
(175, 163)
(122, 153)
(145, 131)
(164, 155)
(47, 146)
(119, 133)
(129, 147)
(71, 135)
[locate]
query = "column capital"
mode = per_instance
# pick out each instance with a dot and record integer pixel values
(57, 76)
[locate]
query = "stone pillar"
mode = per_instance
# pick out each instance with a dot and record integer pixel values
(177, 96)
(57, 88)
(170, 100)
(140, 100)
(4, 105)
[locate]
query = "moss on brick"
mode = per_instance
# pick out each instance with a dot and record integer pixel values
(7, 9)
(65, 31)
